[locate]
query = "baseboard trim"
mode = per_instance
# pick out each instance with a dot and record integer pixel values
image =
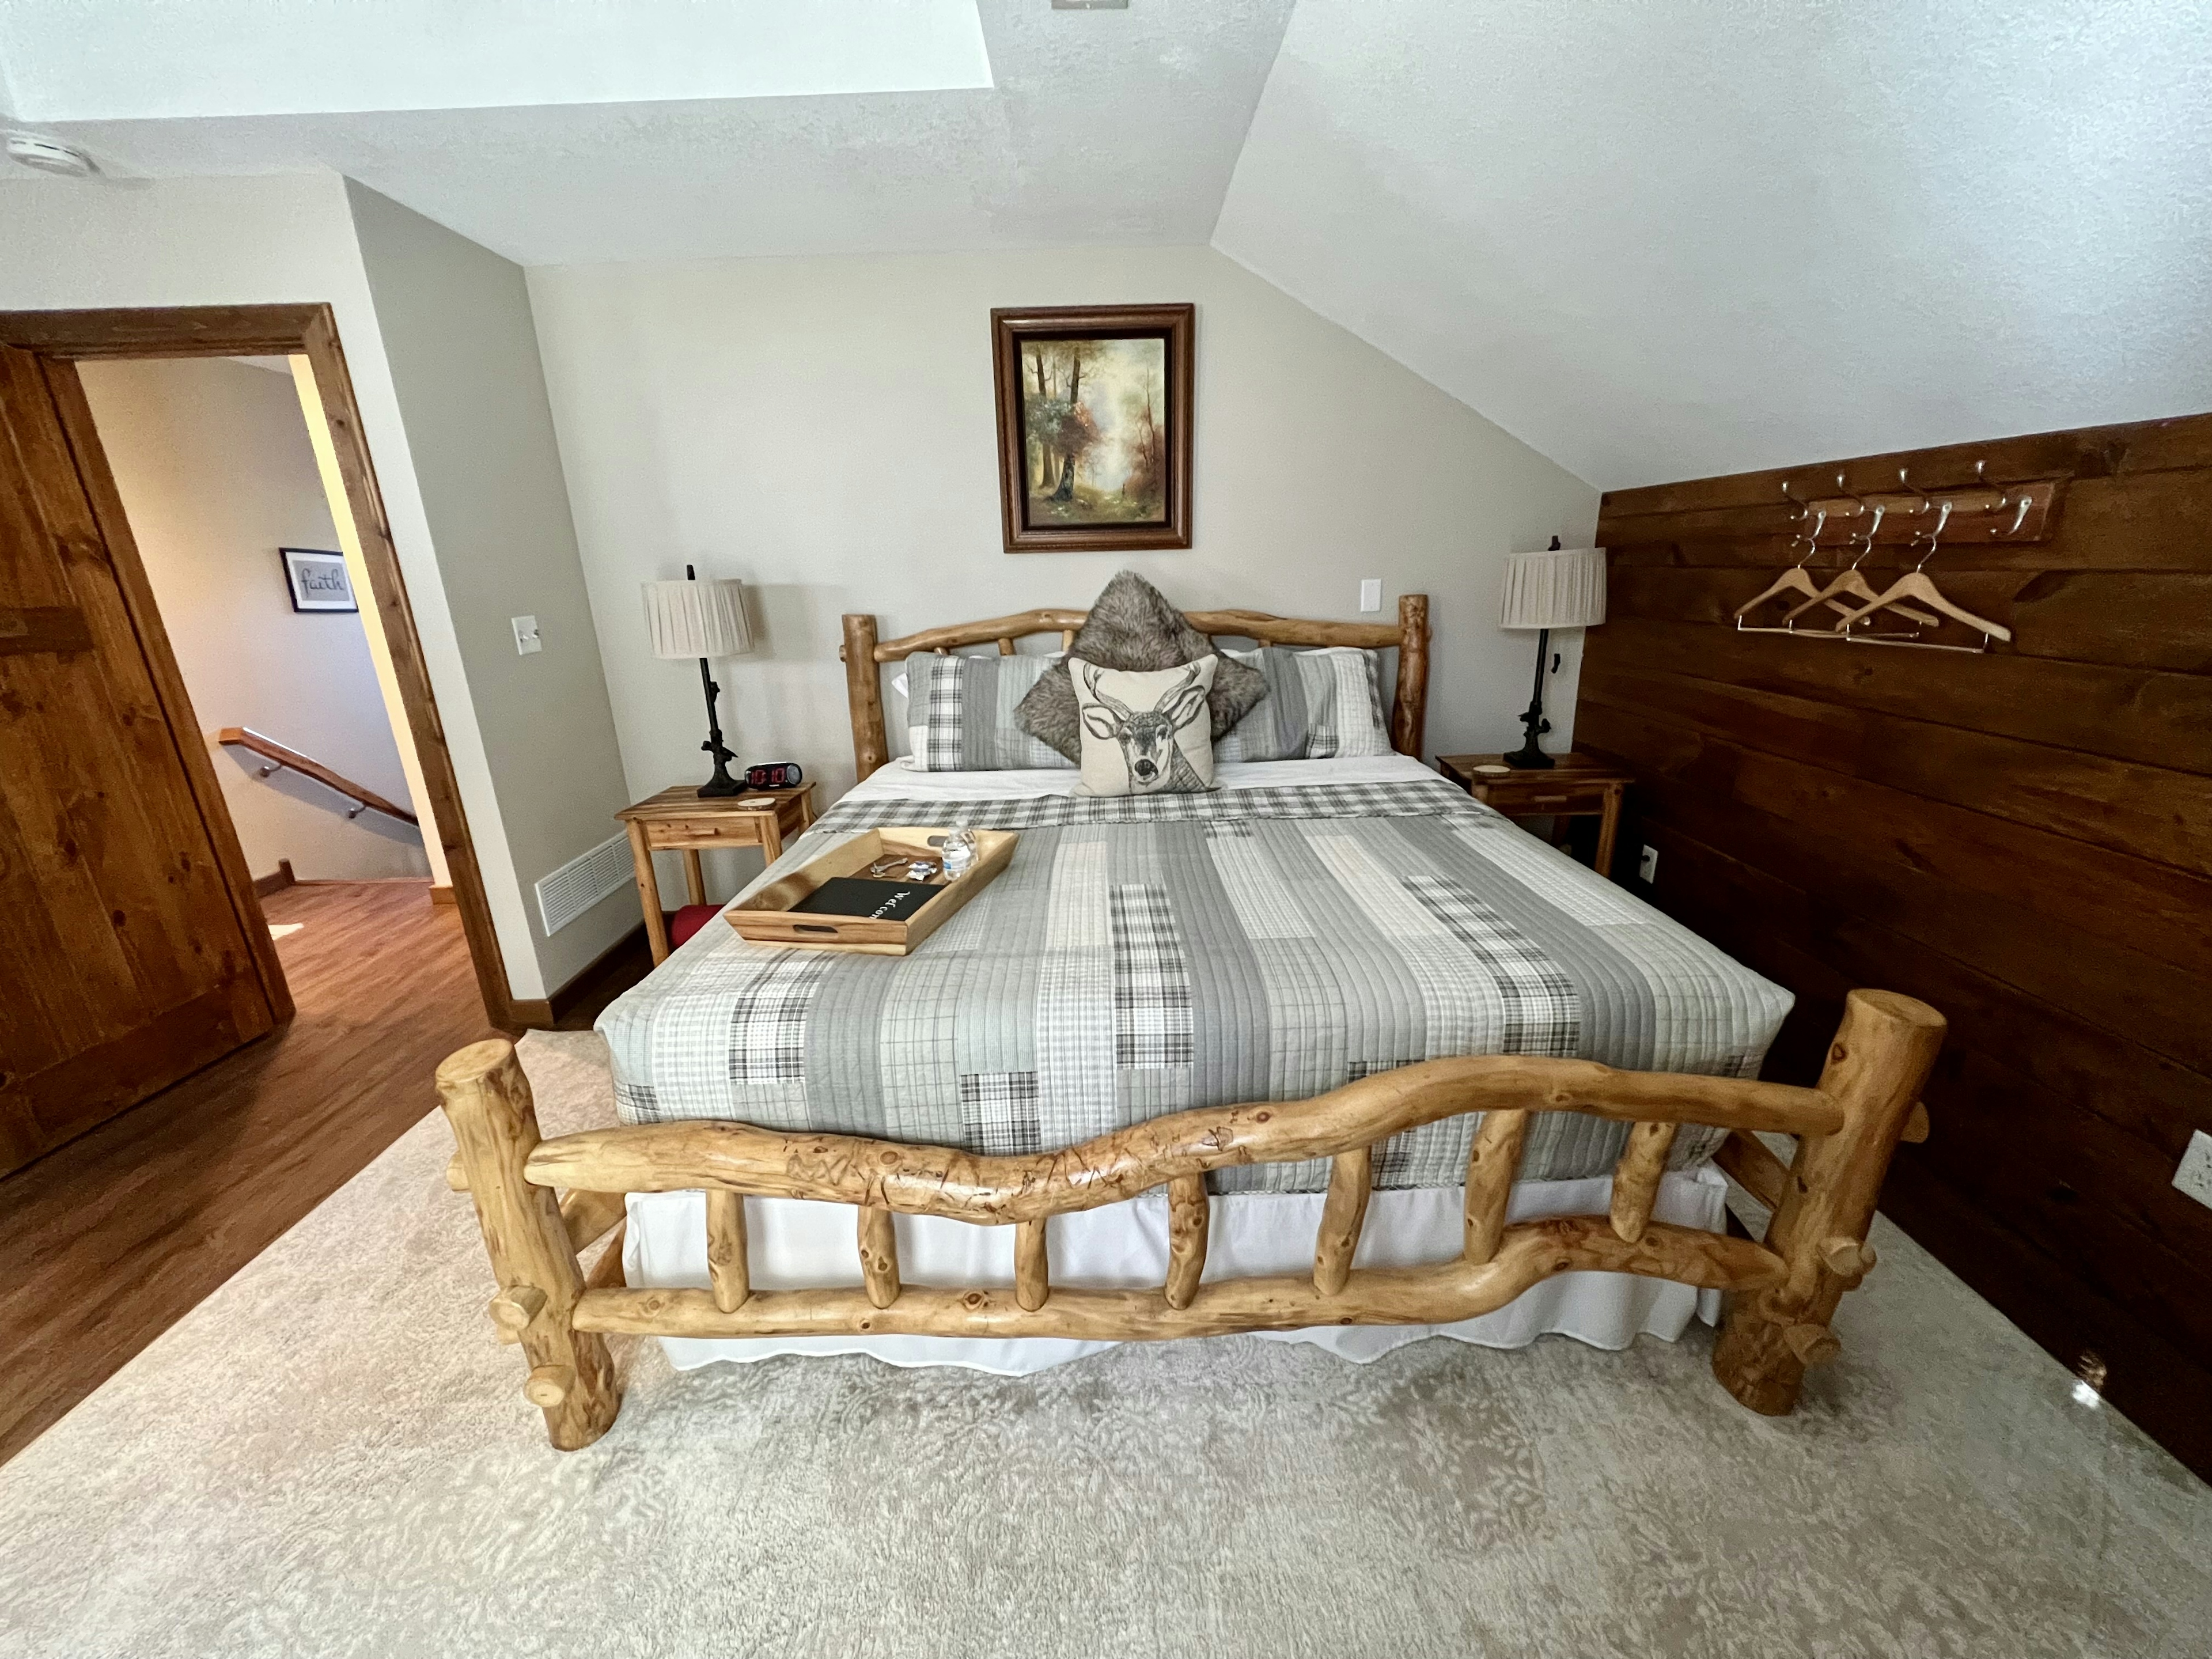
(542, 1013)
(443, 893)
(277, 881)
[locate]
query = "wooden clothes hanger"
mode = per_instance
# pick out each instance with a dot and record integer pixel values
(1796, 579)
(1915, 583)
(1849, 585)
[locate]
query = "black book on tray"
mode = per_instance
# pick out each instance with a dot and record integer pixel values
(858, 896)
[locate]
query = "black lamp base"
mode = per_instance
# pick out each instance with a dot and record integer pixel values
(721, 784)
(1528, 757)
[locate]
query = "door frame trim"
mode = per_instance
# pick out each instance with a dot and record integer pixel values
(60, 337)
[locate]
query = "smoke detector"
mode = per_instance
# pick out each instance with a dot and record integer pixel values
(32, 149)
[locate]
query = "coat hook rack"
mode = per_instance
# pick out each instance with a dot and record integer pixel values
(1980, 511)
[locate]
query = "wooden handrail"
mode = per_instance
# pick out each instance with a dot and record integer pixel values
(239, 737)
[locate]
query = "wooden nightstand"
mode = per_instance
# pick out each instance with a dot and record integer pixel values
(1580, 786)
(677, 820)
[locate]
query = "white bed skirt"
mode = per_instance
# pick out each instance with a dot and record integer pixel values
(799, 1243)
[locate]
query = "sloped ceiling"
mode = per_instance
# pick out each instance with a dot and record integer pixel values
(1098, 127)
(1673, 239)
(1654, 241)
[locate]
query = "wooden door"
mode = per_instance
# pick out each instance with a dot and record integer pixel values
(125, 954)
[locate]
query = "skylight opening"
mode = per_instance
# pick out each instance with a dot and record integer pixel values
(119, 60)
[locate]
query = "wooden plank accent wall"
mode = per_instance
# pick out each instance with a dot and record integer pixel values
(2024, 839)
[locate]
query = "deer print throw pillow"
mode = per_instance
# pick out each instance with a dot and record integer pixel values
(1145, 734)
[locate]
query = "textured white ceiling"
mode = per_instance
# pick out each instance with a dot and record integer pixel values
(1654, 241)
(1101, 127)
(1687, 237)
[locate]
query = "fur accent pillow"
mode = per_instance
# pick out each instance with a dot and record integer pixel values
(1133, 628)
(1145, 734)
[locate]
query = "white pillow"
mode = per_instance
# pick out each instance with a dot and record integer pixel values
(1145, 734)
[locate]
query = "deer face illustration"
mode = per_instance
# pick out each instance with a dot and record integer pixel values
(1147, 737)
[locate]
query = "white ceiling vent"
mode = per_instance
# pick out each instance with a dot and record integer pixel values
(583, 881)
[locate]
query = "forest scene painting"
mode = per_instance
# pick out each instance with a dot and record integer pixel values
(1094, 423)
(1094, 426)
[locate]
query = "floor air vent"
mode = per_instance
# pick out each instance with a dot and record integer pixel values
(583, 881)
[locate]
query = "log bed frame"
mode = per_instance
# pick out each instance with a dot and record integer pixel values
(540, 1203)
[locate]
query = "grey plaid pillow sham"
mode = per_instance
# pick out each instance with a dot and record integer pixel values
(960, 714)
(1320, 705)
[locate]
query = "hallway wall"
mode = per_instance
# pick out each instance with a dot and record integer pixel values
(214, 464)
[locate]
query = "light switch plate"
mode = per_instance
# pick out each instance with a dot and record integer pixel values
(526, 635)
(1370, 594)
(2195, 1175)
(1647, 865)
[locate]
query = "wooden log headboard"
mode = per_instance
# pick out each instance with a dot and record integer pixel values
(864, 655)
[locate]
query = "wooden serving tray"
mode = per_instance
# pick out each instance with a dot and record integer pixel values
(767, 918)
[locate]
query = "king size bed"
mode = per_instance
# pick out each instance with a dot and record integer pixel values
(1329, 1051)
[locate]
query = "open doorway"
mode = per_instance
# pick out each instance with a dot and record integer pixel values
(65, 496)
(149, 1043)
(228, 480)
(216, 465)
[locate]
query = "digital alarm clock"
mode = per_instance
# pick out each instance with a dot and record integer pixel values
(776, 775)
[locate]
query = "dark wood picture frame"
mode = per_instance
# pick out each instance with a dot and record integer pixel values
(1011, 328)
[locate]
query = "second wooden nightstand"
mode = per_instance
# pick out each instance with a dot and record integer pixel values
(680, 820)
(1580, 786)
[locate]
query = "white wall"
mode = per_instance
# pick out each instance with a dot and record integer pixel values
(823, 428)
(250, 241)
(213, 464)
(455, 324)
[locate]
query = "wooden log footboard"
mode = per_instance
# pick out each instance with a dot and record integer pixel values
(1787, 1287)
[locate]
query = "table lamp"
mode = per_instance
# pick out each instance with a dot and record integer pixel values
(692, 619)
(1560, 587)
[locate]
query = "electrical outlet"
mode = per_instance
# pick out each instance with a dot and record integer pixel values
(526, 635)
(1370, 594)
(2195, 1175)
(1647, 865)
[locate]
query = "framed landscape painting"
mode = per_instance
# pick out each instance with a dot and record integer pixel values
(1094, 426)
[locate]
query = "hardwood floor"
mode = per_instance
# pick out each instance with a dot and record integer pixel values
(112, 1238)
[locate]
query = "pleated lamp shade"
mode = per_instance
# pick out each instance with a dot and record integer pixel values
(1564, 588)
(697, 619)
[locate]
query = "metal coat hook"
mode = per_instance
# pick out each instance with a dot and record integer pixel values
(1942, 517)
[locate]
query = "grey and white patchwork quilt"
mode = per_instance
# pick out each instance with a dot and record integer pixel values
(1146, 954)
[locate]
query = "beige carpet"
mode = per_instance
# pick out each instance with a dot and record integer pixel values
(331, 1455)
